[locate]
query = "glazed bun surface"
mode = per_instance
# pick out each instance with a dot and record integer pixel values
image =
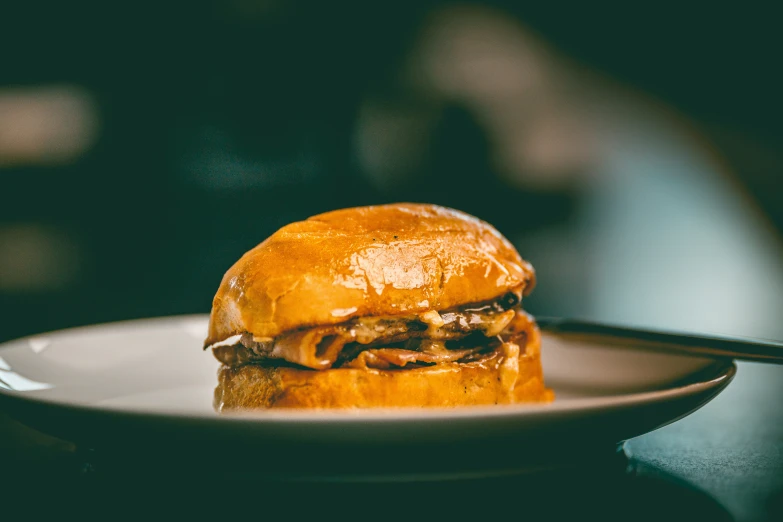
(385, 260)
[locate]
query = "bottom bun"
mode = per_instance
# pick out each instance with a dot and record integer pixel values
(497, 380)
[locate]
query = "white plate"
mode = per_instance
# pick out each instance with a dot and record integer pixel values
(147, 384)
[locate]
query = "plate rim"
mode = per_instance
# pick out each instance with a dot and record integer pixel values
(721, 372)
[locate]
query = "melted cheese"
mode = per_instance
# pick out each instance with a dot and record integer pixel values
(318, 348)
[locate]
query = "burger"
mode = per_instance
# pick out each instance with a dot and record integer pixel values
(403, 305)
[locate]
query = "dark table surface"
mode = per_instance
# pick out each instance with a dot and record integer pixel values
(724, 462)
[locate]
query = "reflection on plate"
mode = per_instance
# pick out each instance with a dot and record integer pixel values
(146, 386)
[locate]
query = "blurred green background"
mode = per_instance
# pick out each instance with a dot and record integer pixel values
(633, 156)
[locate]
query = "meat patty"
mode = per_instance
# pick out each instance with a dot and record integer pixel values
(321, 347)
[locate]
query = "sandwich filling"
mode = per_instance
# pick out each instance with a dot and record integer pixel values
(470, 333)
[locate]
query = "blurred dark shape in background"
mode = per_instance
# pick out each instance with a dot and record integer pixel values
(634, 157)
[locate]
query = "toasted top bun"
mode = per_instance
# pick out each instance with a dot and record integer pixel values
(387, 260)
